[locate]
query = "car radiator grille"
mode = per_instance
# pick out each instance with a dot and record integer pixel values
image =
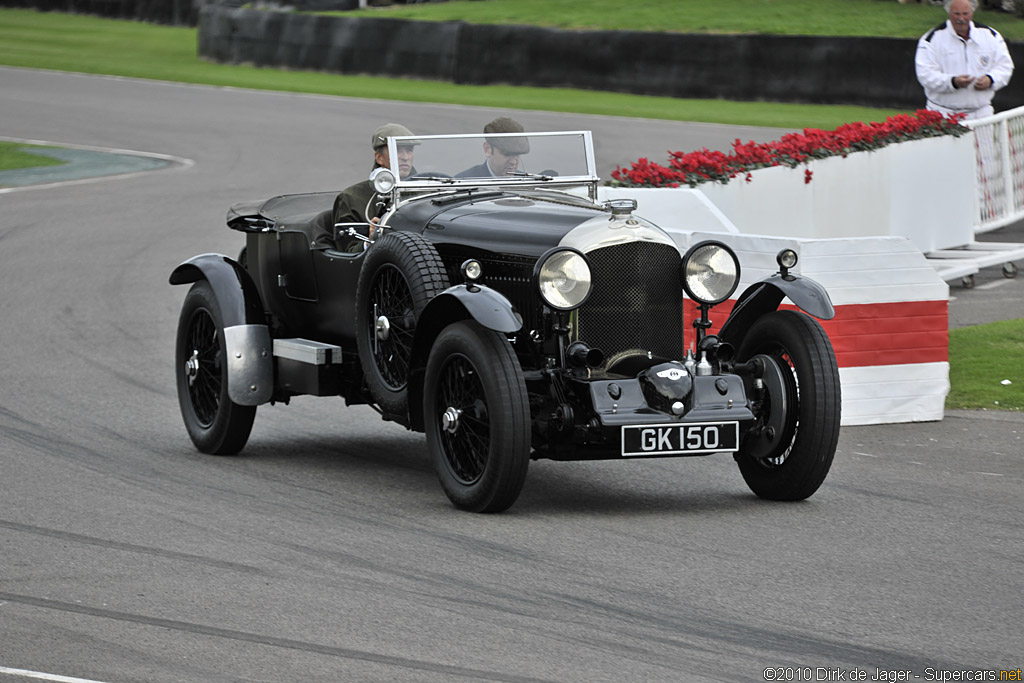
(636, 303)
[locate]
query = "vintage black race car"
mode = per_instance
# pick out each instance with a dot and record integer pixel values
(509, 318)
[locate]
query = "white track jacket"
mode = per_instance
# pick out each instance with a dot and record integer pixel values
(942, 54)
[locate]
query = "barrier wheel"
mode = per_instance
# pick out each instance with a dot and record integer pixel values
(967, 282)
(1009, 269)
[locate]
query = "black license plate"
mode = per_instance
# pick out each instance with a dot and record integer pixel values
(680, 438)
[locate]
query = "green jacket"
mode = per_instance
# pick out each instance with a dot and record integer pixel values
(349, 207)
(354, 203)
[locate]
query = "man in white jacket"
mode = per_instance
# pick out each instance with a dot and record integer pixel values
(961, 64)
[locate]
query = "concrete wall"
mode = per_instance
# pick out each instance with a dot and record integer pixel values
(322, 43)
(863, 71)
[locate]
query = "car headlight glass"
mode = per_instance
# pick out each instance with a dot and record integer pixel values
(786, 258)
(382, 179)
(711, 272)
(471, 270)
(563, 278)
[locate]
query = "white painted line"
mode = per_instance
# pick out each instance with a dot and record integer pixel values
(987, 474)
(46, 677)
(866, 455)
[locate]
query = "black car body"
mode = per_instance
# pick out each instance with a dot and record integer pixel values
(509, 318)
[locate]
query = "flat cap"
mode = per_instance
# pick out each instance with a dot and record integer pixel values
(390, 130)
(512, 145)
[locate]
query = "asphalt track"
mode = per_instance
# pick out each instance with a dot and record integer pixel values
(326, 552)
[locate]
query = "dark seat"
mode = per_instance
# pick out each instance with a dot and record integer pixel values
(321, 230)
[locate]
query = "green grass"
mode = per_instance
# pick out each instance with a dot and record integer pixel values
(783, 17)
(13, 155)
(980, 359)
(66, 42)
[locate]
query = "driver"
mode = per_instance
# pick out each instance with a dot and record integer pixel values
(359, 203)
(502, 154)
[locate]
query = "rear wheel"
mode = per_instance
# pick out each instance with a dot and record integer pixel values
(477, 417)
(401, 272)
(215, 424)
(789, 453)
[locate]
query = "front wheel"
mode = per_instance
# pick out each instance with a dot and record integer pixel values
(215, 424)
(787, 455)
(477, 417)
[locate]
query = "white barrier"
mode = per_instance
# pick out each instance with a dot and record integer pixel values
(929, 191)
(998, 193)
(921, 190)
(999, 154)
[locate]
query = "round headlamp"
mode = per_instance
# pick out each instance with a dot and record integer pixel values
(786, 258)
(711, 272)
(471, 270)
(382, 179)
(563, 278)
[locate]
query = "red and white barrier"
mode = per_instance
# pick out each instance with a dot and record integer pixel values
(890, 332)
(891, 328)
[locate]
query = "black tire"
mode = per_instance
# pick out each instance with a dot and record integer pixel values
(215, 424)
(793, 463)
(400, 274)
(482, 451)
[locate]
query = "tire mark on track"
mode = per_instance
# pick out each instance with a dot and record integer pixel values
(271, 641)
(129, 547)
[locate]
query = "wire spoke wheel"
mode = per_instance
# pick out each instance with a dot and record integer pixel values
(393, 322)
(203, 370)
(467, 433)
(477, 417)
(789, 451)
(214, 422)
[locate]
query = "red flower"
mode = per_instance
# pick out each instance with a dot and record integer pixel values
(693, 168)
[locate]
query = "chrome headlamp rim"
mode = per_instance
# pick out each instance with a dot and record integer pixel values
(383, 180)
(699, 250)
(546, 286)
(471, 270)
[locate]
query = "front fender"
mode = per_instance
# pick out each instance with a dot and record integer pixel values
(765, 296)
(236, 293)
(461, 302)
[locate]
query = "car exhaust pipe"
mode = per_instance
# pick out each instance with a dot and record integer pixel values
(582, 356)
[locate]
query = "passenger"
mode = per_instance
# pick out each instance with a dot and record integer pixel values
(502, 154)
(359, 203)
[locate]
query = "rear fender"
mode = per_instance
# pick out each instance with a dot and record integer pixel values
(461, 302)
(247, 340)
(236, 293)
(765, 296)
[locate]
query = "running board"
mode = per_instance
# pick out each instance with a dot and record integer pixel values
(302, 366)
(307, 351)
